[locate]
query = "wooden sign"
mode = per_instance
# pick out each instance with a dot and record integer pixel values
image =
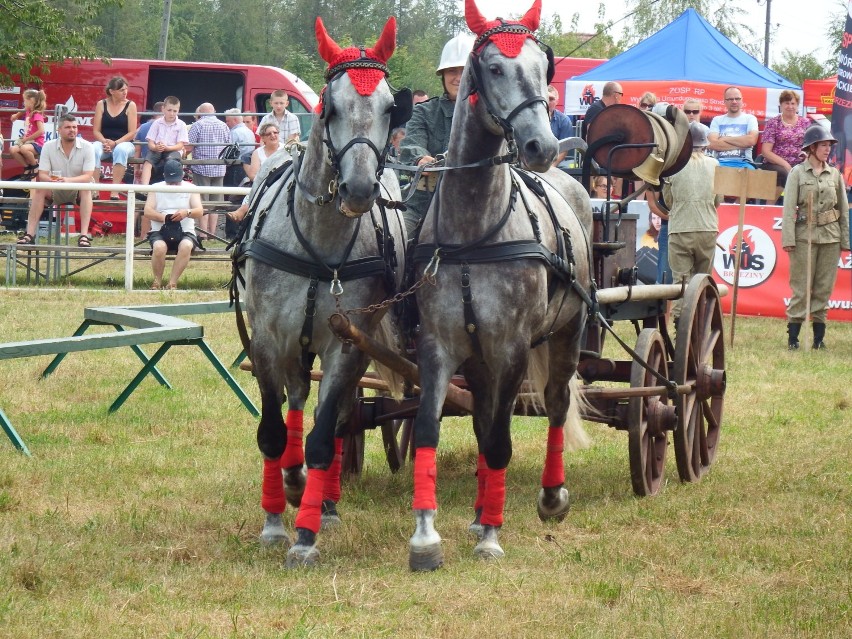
(745, 183)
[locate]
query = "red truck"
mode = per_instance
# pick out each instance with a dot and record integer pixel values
(79, 86)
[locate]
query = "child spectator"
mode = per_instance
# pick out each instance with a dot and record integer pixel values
(166, 139)
(27, 148)
(287, 123)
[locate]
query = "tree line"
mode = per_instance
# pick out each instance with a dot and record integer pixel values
(281, 32)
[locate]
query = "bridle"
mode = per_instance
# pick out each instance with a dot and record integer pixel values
(476, 73)
(333, 155)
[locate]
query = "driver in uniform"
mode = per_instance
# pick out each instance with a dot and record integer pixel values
(427, 133)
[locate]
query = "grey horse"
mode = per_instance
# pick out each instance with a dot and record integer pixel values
(509, 252)
(320, 240)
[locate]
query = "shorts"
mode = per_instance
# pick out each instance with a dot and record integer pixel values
(155, 236)
(155, 157)
(64, 197)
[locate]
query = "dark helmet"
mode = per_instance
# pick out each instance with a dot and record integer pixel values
(816, 133)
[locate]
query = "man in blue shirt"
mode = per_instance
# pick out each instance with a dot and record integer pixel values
(560, 124)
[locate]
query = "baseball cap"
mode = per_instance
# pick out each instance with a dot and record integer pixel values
(172, 171)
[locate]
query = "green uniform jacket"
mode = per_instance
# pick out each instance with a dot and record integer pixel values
(428, 130)
(829, 193)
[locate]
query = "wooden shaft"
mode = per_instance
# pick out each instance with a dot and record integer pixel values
(739, 249)
(344, 330)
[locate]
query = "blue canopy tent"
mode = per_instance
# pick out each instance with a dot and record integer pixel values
(689, 58)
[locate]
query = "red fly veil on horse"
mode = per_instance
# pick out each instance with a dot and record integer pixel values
(365, 66)
(507, 41)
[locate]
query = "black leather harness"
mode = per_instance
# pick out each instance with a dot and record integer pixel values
(315, 269)
(560, 262)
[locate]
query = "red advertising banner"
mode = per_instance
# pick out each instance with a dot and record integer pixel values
(764, 283)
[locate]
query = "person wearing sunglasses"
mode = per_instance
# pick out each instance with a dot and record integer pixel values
(692, 110)
(733, 135)
(647, 101)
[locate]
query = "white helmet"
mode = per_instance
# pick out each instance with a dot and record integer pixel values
(455, 52)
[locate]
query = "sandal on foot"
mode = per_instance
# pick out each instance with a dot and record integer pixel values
(26, 238)
(155, 287)
(84, 241)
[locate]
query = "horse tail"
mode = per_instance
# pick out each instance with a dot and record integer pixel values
(576, 437)
(386, 335)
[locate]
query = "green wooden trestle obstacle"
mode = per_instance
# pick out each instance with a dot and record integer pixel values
(135, 325)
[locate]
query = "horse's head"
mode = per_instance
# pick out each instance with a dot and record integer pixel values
(358, 111)
(508, 74)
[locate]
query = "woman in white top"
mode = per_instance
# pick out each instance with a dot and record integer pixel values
(270, 143)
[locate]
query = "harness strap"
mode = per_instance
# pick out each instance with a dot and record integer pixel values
(470, 323)
(306, 336)
(271, 255)
(502, 252)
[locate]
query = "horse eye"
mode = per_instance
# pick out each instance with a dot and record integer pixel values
(495, 70)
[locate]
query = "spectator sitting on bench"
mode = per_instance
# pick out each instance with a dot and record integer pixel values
(67, 158)
(166, 139)
(113, 128)
(172, 207)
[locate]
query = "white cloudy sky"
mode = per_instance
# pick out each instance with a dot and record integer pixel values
(801, 23)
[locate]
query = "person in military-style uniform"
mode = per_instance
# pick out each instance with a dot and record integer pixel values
(427, 133)
(829, 227)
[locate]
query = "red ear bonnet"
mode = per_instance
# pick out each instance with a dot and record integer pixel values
(364, 79)
(509, 43)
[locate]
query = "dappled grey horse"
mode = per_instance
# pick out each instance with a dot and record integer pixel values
(509, 253)
(320, 239)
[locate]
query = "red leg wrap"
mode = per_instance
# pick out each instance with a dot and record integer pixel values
(310, 512)
(495, 498)
(554, 469)
(272, 498)
(425, 479)
(294, 453)
(331, 490)
(481, 479)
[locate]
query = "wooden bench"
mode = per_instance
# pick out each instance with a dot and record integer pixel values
(46, 261)
(148, 325)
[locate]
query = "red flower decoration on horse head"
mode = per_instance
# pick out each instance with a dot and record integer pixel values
(508, 41)
(366, 66)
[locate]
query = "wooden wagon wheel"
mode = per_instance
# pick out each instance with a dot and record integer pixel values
(649, 418)
(699, 361)
(396, 439)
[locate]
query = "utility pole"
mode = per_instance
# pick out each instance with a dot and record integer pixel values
(766, 35)
(164, 30)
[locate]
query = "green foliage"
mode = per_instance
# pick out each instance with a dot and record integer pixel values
(798, 67)
(32, 31)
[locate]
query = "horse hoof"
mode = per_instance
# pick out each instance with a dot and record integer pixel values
(304, 552)
(553, 503)
(489, 545)
(488, 549)
(330, 517)
(475, 527)
(273, 532)
(425, 558)
(302, 557)
(294, 484)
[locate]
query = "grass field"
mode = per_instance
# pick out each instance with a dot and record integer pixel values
(144, 523)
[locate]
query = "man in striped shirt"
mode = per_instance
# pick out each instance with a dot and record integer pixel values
(207, 137)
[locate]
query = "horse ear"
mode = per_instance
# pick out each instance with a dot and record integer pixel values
(532, 17)
(328, 48)
(475, 20)
(386, 43)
